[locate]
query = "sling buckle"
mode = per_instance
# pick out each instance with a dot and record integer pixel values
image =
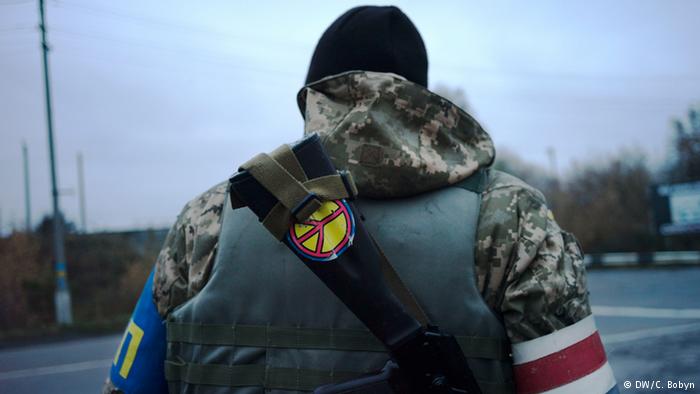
(307, 206)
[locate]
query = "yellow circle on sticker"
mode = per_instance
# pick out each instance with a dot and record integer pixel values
(326, 234)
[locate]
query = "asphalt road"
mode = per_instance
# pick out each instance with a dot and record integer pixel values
(649, 320)
(650, 323)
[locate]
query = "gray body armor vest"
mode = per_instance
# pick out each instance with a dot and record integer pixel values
(265, 323)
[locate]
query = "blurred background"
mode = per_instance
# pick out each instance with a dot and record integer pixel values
(596, 103)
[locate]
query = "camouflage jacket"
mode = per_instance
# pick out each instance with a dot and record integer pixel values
(398, 139)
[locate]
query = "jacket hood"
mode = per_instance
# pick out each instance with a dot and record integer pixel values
(396, 137)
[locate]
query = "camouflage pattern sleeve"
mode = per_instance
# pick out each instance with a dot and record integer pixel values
(528, 269)
(183, 264)
(185, 261)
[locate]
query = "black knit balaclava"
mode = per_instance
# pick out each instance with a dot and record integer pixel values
(371, 38)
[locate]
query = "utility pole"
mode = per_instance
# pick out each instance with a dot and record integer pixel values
(62, 293)
(27, 196)
(81, 193)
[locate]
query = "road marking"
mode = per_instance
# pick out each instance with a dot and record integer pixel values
(649, 333)
(55, 369)
(658, 313)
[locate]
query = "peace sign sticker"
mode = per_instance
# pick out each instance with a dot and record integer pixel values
(326, 234)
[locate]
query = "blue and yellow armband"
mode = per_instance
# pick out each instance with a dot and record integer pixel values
(138, 364)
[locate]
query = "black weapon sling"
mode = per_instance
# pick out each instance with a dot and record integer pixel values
(289, 186)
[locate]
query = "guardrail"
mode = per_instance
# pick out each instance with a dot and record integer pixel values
(642, 259)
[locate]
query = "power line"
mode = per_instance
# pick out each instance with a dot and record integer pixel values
(80, 55)
(636, 102)
(205, 57)
(201, 56)
(517, 74)
(122, 41)
(135, 18)
(19, 28)
(209, 57)
(15, 2)
(149, 21)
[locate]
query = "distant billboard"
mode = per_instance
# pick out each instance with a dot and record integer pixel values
(677, 208)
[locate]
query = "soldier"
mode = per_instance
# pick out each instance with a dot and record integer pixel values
(478, 247)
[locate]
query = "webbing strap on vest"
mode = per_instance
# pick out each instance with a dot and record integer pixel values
(281, 174)
(259, 375)
(314, 338)
(254, 375)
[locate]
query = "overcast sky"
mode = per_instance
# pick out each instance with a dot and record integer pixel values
(165, 99)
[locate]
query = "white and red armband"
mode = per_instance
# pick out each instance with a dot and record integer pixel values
(570, 360)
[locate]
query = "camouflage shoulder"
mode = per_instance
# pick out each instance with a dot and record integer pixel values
(512, 223)
(206, 208)
(184, 262)
(499, 180)
(531, 271)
